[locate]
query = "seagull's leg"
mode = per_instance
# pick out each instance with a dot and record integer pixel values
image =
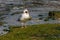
(25, 25)
(22, 24)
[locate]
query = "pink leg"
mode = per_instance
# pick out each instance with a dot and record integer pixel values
(22, 25)
(25, 25)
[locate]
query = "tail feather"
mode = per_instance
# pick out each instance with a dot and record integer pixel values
(18, 19)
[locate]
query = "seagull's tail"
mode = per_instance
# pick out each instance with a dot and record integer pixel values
(18, 19)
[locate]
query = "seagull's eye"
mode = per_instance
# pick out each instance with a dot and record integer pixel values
(26, 12)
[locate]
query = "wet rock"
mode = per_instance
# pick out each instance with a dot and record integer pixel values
(6, 30)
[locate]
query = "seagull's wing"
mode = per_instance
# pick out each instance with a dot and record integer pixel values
(19, 18)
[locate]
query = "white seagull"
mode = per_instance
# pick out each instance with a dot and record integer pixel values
(24, 18)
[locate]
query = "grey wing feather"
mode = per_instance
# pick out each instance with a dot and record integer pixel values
(19, 18)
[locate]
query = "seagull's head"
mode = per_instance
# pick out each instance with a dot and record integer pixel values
(26, 11)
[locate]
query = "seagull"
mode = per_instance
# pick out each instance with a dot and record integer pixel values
(24, 18)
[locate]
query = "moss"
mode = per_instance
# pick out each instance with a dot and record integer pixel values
(33, 32)
(54, 14)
